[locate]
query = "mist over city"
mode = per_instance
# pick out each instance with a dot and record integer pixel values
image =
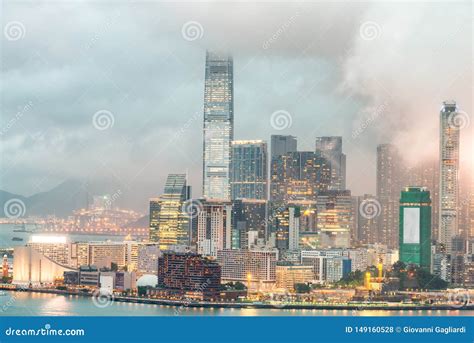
(371, 73)
(237, 158)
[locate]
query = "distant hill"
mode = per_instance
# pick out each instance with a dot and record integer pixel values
(61, 200)
(141, 222)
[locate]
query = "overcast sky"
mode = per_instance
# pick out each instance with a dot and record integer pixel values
(373, 73)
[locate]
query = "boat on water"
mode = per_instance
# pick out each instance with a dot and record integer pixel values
(17, 239)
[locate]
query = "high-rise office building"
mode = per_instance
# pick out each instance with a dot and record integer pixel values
(299, 176)
(415, 227)
(154, 219)
(214, 227)
(367, 208)
(281, 145)
(335, 213)
(287, 228)
(426, 174)
(248, 215)
(173, 222)
(331, 149)
(218, 125)
(449, 175)
(389, 185)
(249, 170)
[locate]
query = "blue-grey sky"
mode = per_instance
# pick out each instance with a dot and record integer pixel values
(371, 72)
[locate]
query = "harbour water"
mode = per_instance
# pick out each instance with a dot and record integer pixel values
(42, 304)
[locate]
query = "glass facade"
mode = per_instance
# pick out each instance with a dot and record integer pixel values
(415, 227)
(331, 149)
(249, 170)
(389, 185)
(218, 125)
(335, 212)
(449, 175)
(173, 223)
(299, 176)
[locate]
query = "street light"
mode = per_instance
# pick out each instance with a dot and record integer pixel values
(249, 279)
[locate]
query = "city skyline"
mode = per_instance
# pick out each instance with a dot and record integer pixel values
(362, 121)
(311, 161)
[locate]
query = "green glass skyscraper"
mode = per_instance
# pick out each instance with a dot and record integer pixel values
(415, 227)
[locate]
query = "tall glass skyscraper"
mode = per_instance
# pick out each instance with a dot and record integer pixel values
(299, 176)
(449, 175)
(389, 185)
(331, 149)
(218, 125)
(173, 220)
(281, 145)
(249, 170)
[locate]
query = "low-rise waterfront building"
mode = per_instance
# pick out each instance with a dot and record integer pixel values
(287, 276)
(254, 267)
(188, 274)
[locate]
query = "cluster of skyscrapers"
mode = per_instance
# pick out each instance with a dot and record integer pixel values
(288, 201)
